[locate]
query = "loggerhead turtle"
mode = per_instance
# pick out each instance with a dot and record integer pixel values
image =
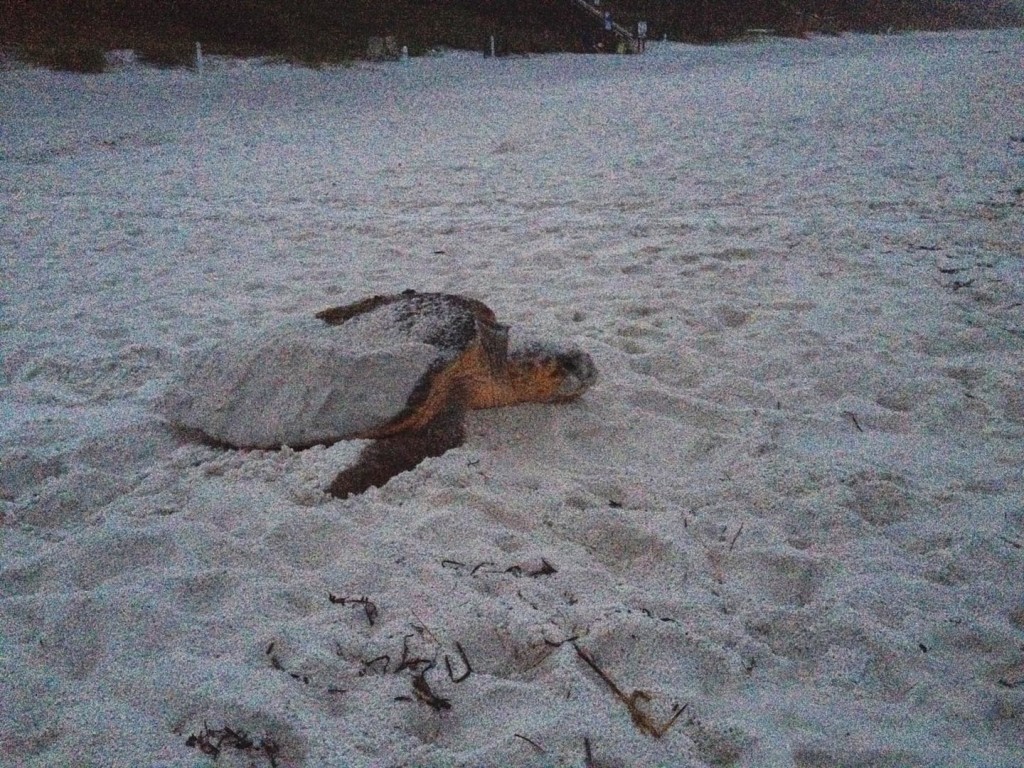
(400, 369)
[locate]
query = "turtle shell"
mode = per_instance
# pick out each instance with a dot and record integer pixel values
(361, 370)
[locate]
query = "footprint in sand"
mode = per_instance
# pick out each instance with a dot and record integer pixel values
(879, 498)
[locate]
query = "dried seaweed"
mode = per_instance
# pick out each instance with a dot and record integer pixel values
(544, 569)
(372, 665)
(412, 662)
(275, 663)
(423, 692)
(640, 719)
(212, 742)
(465, 663)
(369, 607)
(532, 743)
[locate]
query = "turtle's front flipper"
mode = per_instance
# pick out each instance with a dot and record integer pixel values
(385, 458)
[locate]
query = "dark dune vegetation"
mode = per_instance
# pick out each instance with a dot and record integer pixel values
(73, 34)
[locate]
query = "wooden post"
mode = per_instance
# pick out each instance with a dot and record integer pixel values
(199, 58)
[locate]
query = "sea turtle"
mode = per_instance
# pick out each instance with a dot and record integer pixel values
(400, 369)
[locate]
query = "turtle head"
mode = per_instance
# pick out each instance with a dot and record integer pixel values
(550, 373)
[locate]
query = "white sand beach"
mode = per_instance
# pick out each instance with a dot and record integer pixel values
(790, 514)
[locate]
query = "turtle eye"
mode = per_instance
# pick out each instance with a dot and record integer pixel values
(581, 367)
(569, 363)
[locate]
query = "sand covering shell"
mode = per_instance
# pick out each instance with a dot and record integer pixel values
(306, 382)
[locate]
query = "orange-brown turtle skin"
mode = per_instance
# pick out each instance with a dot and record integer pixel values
(483, 375)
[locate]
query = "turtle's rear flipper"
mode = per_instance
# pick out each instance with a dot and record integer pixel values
(385, 458)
